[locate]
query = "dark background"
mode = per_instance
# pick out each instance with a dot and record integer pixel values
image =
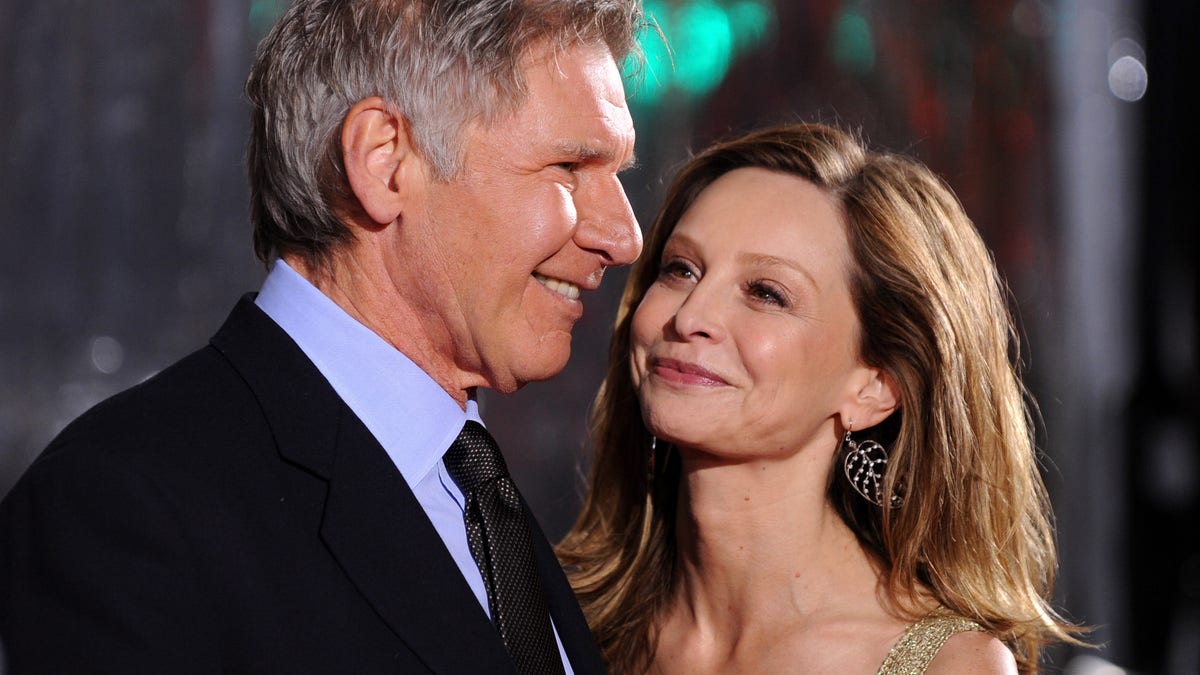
(126, 241)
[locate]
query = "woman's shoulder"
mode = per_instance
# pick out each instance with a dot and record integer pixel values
(942, 644)
(973, 652)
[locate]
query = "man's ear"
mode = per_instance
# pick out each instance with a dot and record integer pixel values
(876, 398)
(377, 152)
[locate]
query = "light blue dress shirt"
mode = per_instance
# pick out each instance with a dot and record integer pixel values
(411, 416)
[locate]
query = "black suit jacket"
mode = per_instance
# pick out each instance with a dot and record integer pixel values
(231, 514)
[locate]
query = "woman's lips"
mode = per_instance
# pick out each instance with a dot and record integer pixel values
(680, 372)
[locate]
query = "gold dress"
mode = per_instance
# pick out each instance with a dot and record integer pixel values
(921, 642)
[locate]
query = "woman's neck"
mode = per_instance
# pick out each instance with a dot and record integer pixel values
(760, 548)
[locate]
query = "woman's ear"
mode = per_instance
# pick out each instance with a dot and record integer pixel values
(376, 149)
(876, 398)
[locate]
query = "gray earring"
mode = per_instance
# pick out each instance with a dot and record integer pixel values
(864, 465)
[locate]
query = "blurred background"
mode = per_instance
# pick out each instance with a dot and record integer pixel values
(1065, 128)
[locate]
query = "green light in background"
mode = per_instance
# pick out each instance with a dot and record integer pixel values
(853, 44)
(749, 20)
(655, 76)
(264, 14)
(703, 38)
(703, 46)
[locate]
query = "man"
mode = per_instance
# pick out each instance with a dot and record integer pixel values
(436, 184)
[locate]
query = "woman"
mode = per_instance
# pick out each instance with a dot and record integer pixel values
(813, 453)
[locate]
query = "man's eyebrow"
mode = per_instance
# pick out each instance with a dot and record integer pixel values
(588, 153)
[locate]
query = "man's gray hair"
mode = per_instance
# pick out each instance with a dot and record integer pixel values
(439, 63)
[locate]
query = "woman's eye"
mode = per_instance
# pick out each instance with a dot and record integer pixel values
(766, 293)
(675, 269)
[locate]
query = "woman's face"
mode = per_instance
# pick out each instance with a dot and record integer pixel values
(746, 344)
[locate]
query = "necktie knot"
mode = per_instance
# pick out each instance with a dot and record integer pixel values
(474, 459)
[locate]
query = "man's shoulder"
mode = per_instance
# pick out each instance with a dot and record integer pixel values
(202, 413)
(195, 400)
(188, 405)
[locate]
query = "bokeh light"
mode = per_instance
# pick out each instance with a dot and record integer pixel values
(704, 47)
(853, 44)
(1128, 79)
(703, 38)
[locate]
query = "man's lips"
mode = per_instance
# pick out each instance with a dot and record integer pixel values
(682, 372)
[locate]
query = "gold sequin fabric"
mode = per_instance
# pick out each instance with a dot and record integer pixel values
(921, 642)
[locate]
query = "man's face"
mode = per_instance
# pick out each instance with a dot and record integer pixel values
(496, 258)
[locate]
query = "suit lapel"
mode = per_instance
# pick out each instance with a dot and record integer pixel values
(568, 618)
(383, 539)
(372, 524)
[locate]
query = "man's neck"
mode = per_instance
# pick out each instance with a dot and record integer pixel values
(370, 298)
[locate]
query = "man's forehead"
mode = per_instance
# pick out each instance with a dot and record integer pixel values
(573, 105)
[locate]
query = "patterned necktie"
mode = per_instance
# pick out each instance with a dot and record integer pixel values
(498, 534)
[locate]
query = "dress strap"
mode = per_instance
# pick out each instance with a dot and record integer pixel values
(921, 642)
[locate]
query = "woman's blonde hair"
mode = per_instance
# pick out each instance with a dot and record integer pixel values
(974, 528)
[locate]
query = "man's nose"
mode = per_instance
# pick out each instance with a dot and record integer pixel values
(607, 225)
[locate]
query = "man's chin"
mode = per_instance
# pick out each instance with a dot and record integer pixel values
(548, 362)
